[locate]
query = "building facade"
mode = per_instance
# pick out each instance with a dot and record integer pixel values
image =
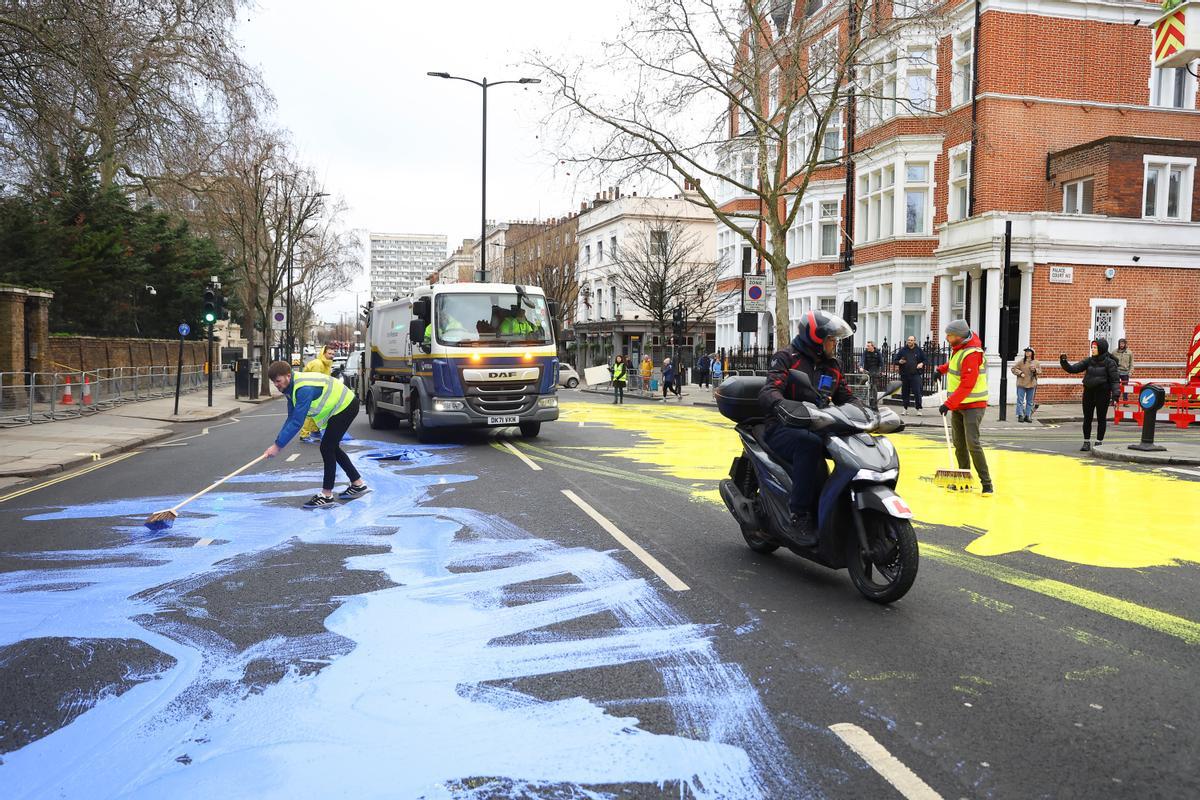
(401, 262)
(459, 266)
(607, 323)
(548, 258)
(1078, 142)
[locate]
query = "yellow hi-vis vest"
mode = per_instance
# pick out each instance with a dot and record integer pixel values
(335, 396)
(979, 394)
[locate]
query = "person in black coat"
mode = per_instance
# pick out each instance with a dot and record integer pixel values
(1101, 385)
(911, 360)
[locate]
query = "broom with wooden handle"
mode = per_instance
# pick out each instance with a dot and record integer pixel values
(160, 520)
(958, 480)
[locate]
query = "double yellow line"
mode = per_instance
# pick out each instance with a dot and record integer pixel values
(68, 476)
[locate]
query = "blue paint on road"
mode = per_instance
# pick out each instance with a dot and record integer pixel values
(423, 699)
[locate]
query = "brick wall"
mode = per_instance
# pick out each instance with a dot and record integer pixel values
(72, 353)
(1162, 309)
(1118, 167)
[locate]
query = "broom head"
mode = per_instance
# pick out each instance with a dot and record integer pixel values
(958, 480)
(161, 520)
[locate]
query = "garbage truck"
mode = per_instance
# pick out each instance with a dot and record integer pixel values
(461, 355)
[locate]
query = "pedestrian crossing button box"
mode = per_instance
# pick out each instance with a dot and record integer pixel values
(737, 398)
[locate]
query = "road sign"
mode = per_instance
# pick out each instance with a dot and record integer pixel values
(756, 292)
(184, 329)
(279, 318)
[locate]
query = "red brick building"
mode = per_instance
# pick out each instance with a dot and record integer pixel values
(1046, 114)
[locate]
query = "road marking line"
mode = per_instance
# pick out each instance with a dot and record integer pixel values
(650, 561)
(95, 456)
(76, 474)
(1124, 610)
(883, 762)
(293, 456)
(528, 462)
(1182, 471)
(203, 543)
(203, 432)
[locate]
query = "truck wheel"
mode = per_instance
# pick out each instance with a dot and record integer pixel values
(416, 423)
(379, 420)
(530, 429)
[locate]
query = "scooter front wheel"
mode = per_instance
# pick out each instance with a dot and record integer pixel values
(886, 572)
(757, 543)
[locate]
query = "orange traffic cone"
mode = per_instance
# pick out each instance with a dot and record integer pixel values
(67, 399)
(87, 392)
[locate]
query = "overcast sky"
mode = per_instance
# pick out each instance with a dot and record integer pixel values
(401, 147)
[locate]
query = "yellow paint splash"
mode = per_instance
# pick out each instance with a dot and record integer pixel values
(1059, 507)
(1089, 674)
(859, 675)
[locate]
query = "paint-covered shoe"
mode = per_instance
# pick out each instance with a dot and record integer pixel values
(320, 501)
(353, 491)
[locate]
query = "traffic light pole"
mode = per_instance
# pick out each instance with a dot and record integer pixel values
(179, 375)
(210, 364)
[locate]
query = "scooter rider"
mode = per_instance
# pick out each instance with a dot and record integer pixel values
(811, 352)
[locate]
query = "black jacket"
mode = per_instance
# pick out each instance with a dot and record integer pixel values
(872, 361)
(1099, 372)
(912, 357)
(779, 386)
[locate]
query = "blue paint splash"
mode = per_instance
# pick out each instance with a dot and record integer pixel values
(418, 704)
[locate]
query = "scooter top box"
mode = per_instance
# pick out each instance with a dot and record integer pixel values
(737, 398)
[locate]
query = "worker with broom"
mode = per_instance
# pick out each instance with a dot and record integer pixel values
(323, 364)
(332, 406)
(967, 398)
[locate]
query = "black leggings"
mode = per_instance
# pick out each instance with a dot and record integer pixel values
(331, 446)
(1095, 401)
(618, 391)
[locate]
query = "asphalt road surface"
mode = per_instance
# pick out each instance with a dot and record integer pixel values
(575, 617)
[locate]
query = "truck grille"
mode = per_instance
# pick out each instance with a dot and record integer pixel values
(501, 398)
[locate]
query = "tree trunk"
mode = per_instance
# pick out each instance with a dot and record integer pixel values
(782, 321)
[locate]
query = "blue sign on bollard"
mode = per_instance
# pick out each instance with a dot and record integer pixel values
(184, 329)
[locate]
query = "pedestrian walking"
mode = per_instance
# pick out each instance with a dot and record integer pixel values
(1101, 385)
(1026, 371)
(872, 364)
(703, 363)
(332, 406)
(967, 399)
(323, 364)
(911, 360)
(620, 374)
(1124, 358)
(670, 379)
(646, 370)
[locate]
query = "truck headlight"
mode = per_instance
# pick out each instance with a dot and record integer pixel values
(448, 405)
(548, 402)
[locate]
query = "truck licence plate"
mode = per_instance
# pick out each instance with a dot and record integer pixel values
(503, 420)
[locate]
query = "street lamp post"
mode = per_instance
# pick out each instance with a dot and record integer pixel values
(290, 334)
(482, 84)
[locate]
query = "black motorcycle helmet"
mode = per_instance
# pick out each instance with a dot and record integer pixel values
(816, 327)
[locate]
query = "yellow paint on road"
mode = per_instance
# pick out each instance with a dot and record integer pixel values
(1090, 674)
(1152, 618)
(1057, 506)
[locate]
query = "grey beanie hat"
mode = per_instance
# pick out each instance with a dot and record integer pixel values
(959, 327)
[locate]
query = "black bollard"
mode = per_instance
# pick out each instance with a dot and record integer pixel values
(1151, 398)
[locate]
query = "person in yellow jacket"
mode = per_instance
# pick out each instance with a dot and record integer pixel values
(332, 406)
(323, 364)
(646, 370)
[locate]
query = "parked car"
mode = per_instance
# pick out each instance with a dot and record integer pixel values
(351, 367)
(567, 376)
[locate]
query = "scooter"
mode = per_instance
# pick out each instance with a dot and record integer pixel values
(862, 524)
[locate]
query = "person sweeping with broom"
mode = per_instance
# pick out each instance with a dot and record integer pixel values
(332, 406)
(966, 401)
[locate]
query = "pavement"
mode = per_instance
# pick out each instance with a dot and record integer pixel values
(1172, 452)
(49, 447)
(576, 615)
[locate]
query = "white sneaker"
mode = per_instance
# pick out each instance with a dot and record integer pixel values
(904, 412)
(920, 412)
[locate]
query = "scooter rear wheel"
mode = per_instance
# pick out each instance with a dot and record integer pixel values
(885, 574)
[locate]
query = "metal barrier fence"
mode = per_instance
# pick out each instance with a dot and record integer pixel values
(756, 361)
(32, 397)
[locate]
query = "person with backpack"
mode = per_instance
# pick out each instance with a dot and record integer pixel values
(1101, 385)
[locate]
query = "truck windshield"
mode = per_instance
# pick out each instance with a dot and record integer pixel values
(499, 320)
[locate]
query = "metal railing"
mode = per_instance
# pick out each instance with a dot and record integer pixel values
(31, 397)
(756, 361)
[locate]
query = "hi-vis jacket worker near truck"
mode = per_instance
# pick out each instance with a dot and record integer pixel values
(462, 355)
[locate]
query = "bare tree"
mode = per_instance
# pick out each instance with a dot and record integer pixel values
(661, 264)
(740, 99)
(148, 90)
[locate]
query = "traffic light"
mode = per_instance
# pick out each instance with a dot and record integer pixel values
(677, 320)
(210, 305)
(221, 312)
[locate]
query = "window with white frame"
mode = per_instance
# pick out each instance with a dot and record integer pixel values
(958, 298)
(828, 225)
(1172, 87)
(906, 9)
(659, 244)
(962, 77)
(960, 182)
(919, 69)
(612, 247)
(1167, 188)
(814, 232)
(914, 312)
(773, 92)
(587, 254)
(899, 81)
(828, 305)
(599, 251)
(831, 141)
(876, 203)
(1078, 196)
(918, 193)
(823, 61)
(880, 91)
(1108, 319)
(747, 167)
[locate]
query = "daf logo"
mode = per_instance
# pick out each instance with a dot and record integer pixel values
(496, 375)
